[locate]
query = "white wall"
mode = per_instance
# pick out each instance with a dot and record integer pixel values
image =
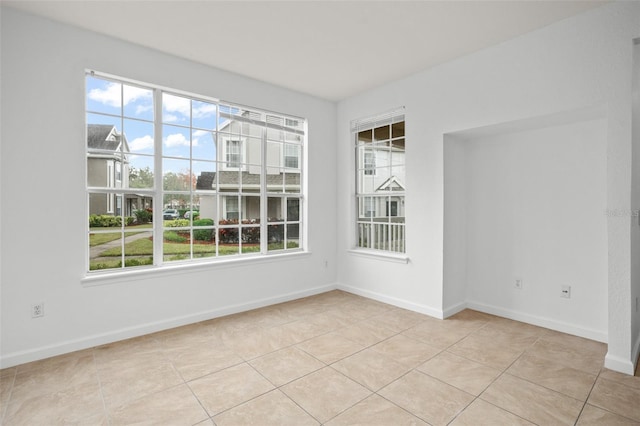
(581, 62)
(635, 206)
(43, 199)
(534, 205)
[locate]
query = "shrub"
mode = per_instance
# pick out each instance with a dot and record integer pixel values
(176, 223)
(143, 216)
(129, 220)
(104, 221)
(203, 234)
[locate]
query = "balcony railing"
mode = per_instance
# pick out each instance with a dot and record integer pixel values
(382, 236)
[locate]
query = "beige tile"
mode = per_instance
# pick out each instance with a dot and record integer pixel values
(135, 378)
(397, 319)
(325, 393)
(462, 373)
(285, 365)
(65, 405)
(517, 327)
(371, 369)
(6, 386)
(557, 377)
(473, 317)
(257, 341)
(616, 398)
(227, 388)
(174, 406)
(438, 333)
(130, 350)
(331, 320)
(489, 350)
(532, 402)
(366, 334)
(200, 361)
(592, 347)
(568, 355)
(67, 372)
(375, 411)
(305, 329)
(624, 379)
(270, 409)
(330, 347)
(594, 416)
(481, 413)
(54, 362)
(406, 351)
(427, 398)
(363, 308)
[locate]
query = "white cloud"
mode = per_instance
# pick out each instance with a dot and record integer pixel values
(140, 144)
(176, 104)
(176, 139)
(169, 118)
(204, 110)
(110, 94)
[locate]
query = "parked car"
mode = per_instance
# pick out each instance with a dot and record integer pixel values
(187, 214)
(170, 214)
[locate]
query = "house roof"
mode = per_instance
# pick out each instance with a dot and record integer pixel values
(207, 179)
(391, 184)
(105, 137)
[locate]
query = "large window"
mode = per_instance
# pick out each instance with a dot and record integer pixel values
(176, 178)
(380, 182)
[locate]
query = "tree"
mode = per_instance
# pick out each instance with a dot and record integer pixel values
(140, 178)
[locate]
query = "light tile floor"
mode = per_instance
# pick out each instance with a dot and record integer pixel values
(334, 359)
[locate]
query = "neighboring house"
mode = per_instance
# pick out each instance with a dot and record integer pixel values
(108, 167)
(239, 172)
(382, 174)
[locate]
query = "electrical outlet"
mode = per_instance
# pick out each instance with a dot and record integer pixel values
(518, 284)
(565, 291)
(37, 310)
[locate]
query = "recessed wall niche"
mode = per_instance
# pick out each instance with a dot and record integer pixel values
(526, 200)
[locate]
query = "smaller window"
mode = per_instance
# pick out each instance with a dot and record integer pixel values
(232, 212)
(291, 156)
(369, 163)
(234, 153)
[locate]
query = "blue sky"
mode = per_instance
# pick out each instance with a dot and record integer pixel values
(130, 109)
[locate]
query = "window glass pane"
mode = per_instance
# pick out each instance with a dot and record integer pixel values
(274, 156)
(275, 135)
(397, 129)
(250, 182)
(173, 204)
(104, 96)
(228, 239)
(177, 175)
(293, 209)
(204, 173)
(251, 239)
(233, 153)
(254, 152)
(250, 209)
(176, 141)
(176, 109)
(203, 115)
(276, 237)
(291, 156)
(292, 182)
(381, 133)
(365, 136)
(137, 102)
(100, 241)
(138, 248)
(204, 145)
(275, 211)
(293, 236)
(138, 137)
(275, 181)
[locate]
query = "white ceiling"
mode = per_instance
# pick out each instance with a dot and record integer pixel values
(330, 49)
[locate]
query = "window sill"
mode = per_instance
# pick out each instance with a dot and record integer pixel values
(381, 255)
(105, 278)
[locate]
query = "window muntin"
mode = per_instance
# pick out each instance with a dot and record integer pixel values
(164, 152)
(380, 182)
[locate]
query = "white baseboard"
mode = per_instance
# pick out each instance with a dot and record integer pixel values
(600, 336)
(452, 310)
(618, 364)
(21, 357)
(401, 303)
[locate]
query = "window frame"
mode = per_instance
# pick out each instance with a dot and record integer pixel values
(157, 193)
(374, 195)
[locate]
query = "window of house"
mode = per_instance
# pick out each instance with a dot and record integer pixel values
(234, 153)
(380, 182)
(291, 156)
(177, 178)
